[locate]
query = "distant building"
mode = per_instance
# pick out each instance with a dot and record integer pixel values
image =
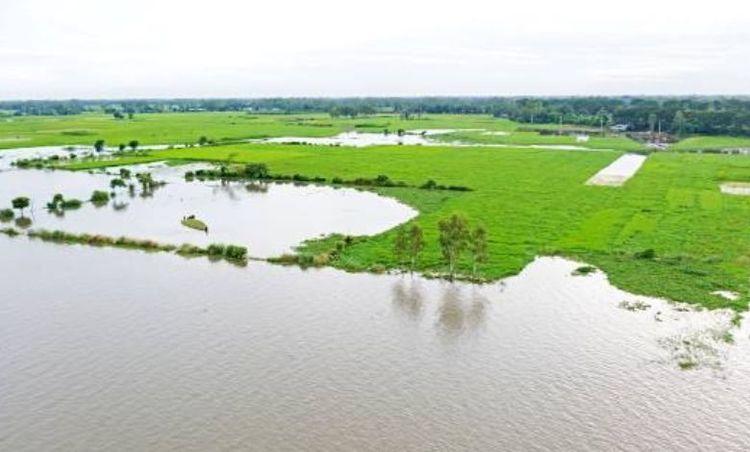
(582, 138)
(619, 128)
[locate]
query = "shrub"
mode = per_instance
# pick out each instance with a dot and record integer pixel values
(6, 215)
(187, 249)
(10, 232)
(99, 197)
(71, 204)
(216, 249)
(584, 270)
(235, 252)
(256, 171)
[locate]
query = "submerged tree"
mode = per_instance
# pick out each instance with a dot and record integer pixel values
(99, 145)
(454, 238)
(20, 203)
(121, 147)
(133, 144)
(478, 247)
(116, 182)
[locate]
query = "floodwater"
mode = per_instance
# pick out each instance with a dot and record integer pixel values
(412, 137)
(270, 219)
(356, 139)
(735, 188)
(618, 172)
(110, 349)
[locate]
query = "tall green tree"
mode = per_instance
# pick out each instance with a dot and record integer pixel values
(401, 245)
(20, 203)
(454, 238)
(408, 245)
(416, 245)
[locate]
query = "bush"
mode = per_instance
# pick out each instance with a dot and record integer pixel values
(71, 204)
(235, 252)
(7, 215)
(10, 232)
(256, 171)
(216, 249)
(100, 197)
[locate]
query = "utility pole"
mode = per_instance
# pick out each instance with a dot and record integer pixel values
(658, 138)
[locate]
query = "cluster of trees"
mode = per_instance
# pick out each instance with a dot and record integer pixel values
(695, 114)
(456, 239)
(132, 144)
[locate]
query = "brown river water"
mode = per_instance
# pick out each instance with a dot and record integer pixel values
(106, 349)
(109, 349)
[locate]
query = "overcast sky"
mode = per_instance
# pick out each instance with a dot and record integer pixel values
(221, 48)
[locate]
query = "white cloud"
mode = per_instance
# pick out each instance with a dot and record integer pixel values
(164, 48)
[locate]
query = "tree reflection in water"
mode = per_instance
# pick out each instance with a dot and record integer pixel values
(408, 301)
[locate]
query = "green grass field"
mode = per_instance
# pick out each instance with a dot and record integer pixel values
(187, 128)
(704, 143)
(184, 128)
(534, 202)
(533, 138)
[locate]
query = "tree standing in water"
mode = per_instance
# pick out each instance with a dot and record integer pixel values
(20, 203)
(99, 145)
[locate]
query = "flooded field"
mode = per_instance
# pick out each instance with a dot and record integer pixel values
(194, 355)
(619, 171)
(735, 188)
(269, 219)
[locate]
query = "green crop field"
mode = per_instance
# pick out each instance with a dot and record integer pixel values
(712, 143)
(184, 128)
(535, 202)
(511, 138)
(188, 128)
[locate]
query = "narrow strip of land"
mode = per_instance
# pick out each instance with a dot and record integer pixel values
(618, 172)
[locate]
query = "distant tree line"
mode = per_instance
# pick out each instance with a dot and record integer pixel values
(712, 115)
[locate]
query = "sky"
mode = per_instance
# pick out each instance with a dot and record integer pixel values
(52, 49)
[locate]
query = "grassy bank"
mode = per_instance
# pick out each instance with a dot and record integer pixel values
(535, 202)
(713, 143)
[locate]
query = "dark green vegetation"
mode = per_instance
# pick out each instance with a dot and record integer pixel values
(59, 203)
(99, 197)
(232, 253)
(668, 232)
(7, 215)
(20, 203)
